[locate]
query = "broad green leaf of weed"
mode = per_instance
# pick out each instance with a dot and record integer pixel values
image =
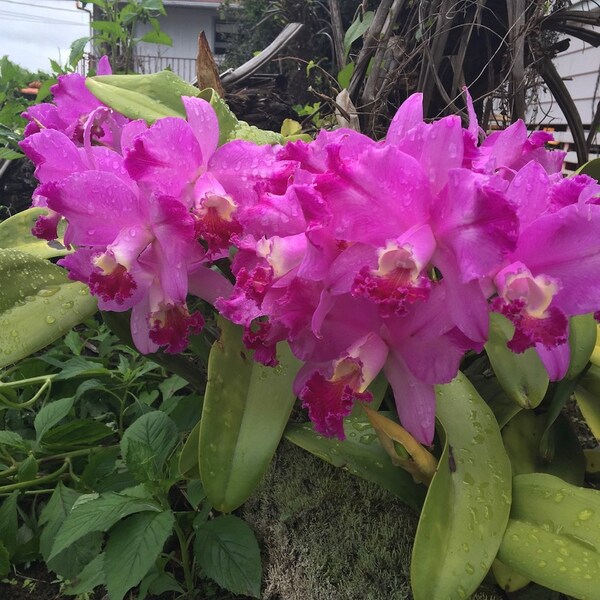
(132, 548)
(90, 577)
(50, 415)
(9, 523)
(98, 514)
(227, 551)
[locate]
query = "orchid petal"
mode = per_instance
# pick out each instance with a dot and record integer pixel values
(408, 115)
(90, 201)
(565, 245)
(204, 123)
(104, 67)
(54, 154)
(529, 192)
(166, 157)
(476, 222)
(555, 360)
(415, 400)
(376, 198)
(209, 285)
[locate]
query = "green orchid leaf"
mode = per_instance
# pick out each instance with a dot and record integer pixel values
(522, 437)
(361, 454)
(246, 408)
(582, 340)
(251, 133)
(591, 168)
(587, 394)
(507, 579)
(522, 376)
(38, 304)
(227, 120)
(188, 459)
(553, 536)
(15, 234)
(147, 97)
(468, 502)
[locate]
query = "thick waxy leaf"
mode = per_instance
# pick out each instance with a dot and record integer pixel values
(595, 357)
(132, 548)
(246, 408)
(147, 97)
(591, 168)
(98, 513)
(587, 395)
(482, 377)
(38, 304)
(553, 536)
(188, 459)
(582, 340)
(467, 505)
(15, 234)
(522, 437)
(507, 579)
(522, 376)
(362, 455)
(592, 462)
(227, 120)
(251, 133)
(227, 551)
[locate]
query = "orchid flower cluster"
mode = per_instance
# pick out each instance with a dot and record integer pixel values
(365, 256)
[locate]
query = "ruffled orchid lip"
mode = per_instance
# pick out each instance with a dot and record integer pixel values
(117, 284)
(171, 326)
(399, 280)
(215, 221)
(516, 283)
(527, 302)
(328, 401)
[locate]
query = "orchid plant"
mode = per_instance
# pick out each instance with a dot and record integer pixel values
(336, 266)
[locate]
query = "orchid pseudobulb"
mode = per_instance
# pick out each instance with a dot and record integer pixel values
(364, 256)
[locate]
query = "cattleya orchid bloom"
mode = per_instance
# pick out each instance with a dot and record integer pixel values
(413, 240)
(148, 258)
(364, 256)
(78, 115)
(70, 111)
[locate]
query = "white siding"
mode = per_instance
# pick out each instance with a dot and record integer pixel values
(579, 67)
(183, 24)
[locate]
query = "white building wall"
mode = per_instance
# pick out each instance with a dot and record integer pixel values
(579, 67)
(183, 24)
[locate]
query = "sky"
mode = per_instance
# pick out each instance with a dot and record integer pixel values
(33, 31)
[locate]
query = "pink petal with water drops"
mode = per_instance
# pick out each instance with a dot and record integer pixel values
(204, 123)
(408, 115)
